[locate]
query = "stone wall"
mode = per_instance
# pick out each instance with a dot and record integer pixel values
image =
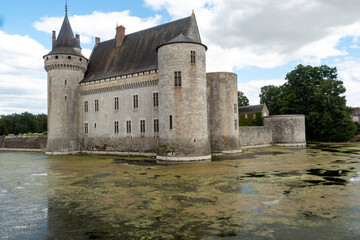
(24, 142)
(255, 136)
(288, 130)
(2, 138)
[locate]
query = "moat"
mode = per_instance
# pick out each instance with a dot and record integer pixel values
(266, 193)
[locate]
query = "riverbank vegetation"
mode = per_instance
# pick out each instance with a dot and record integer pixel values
(316, 93)
(23, 123)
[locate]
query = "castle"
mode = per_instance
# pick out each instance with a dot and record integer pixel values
(148, 93)
(145, 92)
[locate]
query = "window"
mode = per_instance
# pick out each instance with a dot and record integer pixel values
(65, 98)
(69, 57)
(177, 78)
(116, 126)
(94, 125)
(136, 101)
(142, 126)
(65, 82)
(86, 128)
(235, 108)
(192, 57)
(86, 106)
(128, 126)
(56, 57)
(235, 124)
(156, 125)
(156, 99)
(96, 105)
(170, 121)
(116, 103)
(245, 116)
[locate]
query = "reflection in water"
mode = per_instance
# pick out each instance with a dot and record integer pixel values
(275, 193)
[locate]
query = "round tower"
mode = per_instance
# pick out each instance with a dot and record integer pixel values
(65, 66)
(223, 112)
(183, 120)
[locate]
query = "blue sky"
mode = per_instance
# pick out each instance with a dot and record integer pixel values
(261, 41)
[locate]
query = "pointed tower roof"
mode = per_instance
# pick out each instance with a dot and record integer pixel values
(181, 39)
(66, 42)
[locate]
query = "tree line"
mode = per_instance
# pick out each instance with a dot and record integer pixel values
(316, 93)
(23, 123)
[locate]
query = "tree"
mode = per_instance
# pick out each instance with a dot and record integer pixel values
(242, 99)
(271, 96)
(23, 123)
(319, 95)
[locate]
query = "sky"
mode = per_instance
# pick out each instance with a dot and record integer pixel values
(260, 40)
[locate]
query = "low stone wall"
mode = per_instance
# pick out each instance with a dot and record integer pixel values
(24, 142)
(2, 139)
(288, 130)
(255, 136)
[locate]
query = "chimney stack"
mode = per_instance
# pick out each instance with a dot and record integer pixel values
(97, 41)
(120, 34)
(53, 39)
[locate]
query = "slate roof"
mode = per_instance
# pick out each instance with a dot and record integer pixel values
(181, 39)
(66, 42)
(138, 50)
(251, 108)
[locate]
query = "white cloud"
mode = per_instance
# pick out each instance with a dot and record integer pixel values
(251, 89)
(22, 78)
(98, 24)
(349, 72)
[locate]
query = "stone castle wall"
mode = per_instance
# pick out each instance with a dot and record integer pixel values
(101, 134)
(255, 136)
(23, 142)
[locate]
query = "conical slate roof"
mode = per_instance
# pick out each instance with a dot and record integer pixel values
(181, 39)
(66, 42)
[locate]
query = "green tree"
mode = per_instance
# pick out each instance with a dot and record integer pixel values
(242, 99)
(319, 95)
(271, 96)
(23, 123)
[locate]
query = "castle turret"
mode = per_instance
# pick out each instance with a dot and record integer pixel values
(65, 66)
(183, 116)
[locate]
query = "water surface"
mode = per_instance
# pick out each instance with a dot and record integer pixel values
(267, 193)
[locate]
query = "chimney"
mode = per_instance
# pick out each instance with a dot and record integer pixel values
(120, 34)
(97, 41)
(53, 39)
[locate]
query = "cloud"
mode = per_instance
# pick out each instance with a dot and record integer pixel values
(22, 76)
(349, 72)
(98, 24)
(287, 30)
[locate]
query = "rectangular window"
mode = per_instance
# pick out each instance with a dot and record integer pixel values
(86, 106)
(128, 126)
(156, 125)
(116, 126)
(177, 78)
(192, 57)
(156, 99)
(142, 126)
(86, 128)
(96, 105)
(116, 103)
(235, 108)
(170, 122)
(136, 101)
(235, 124)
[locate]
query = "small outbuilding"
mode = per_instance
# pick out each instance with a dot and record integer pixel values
(253, 109)
(355, 116)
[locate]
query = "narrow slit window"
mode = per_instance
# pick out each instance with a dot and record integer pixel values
(235, 124)
(116, 126)
(170, 122)
(156, 125)
(136, 101)
(142, 126)
(177, 78)
(96, 105)
(116, 103)
(128, 126)
(235, 108)
(192, 57)
(86, 128)
(156, 99)
(86, 106)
